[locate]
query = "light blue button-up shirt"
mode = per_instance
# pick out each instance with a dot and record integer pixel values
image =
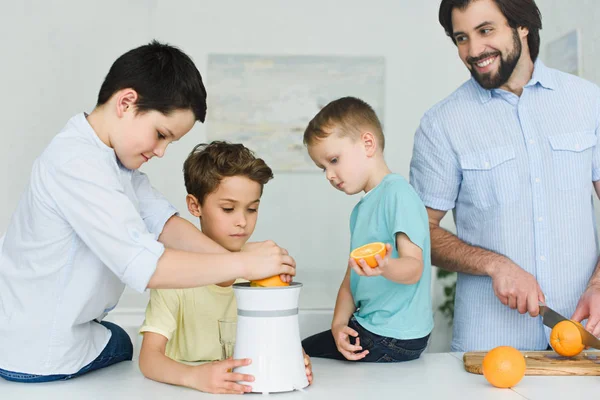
(517, 173)
(84, 227)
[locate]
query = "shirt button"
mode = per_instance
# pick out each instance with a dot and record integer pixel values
(487, 164)
(531, 141)
(537, 180)
(540, 219)
(542, 258)
(577, 147)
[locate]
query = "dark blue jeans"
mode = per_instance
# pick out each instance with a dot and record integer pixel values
(381, 349)
(118, 348)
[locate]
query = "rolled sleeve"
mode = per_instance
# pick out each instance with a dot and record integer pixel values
(434, 170)
(137, 274)
(90, 197)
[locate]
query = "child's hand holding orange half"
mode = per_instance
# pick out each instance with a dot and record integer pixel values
(371, 259)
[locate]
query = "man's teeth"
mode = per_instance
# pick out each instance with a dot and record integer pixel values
(486, 62)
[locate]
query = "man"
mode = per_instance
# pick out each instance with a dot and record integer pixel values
(513, 153)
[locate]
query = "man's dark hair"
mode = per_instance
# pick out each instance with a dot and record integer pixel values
(519, 13)
(164, 77)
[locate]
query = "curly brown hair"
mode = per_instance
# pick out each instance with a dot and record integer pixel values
(208, 164)
(346, 117)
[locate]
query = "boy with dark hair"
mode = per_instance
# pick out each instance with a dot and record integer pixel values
(90, 223)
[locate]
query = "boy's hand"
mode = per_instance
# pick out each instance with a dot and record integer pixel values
(341, 334)
(215, 377)
(363, 269)
(267, 259)
(308, 367)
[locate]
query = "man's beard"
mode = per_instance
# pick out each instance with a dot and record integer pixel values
(489, 80)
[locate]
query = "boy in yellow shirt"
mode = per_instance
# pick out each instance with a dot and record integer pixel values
(224, 182)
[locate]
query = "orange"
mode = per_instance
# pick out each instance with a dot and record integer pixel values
(269, 282)
(368, 253)
(504, 366)
(565, 339)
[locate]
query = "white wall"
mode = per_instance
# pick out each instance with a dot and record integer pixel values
(55, 57)
(560, 17)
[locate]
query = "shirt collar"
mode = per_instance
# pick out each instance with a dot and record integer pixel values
(541, 74)
(83, 125)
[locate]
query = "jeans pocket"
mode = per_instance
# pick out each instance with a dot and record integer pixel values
(404, 350)
(572, 155)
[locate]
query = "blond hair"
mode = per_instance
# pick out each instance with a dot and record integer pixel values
(348, 116)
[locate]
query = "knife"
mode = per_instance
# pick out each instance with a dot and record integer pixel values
(551, 318)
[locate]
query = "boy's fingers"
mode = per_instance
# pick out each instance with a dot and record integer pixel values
(289, 261)
(350, 347)
(346, 345)
(287, 270)
(231, 363)
(356, 268)
(235, 388)
(355, 356)
(362, 355)
(350, 331)
(236, 377)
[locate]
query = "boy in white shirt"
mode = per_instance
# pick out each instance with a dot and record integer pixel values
(224, 182)
(89, 223)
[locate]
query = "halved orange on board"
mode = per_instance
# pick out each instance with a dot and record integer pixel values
(273, 281)
(368, 253)
(566, 339)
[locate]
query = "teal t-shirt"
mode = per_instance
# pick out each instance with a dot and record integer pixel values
(384, 307)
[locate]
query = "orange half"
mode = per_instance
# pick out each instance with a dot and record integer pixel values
(273, 281)
(565, 339)
(368, 253)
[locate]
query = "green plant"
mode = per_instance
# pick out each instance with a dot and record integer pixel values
(449, 281)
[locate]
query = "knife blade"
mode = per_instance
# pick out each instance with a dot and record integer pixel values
(551, 318)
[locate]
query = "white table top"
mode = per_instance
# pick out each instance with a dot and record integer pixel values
(433, 376)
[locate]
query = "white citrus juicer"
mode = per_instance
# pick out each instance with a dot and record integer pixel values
(269, 334)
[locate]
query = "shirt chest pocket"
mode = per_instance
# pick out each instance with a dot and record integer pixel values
(490, 177)
(572, 155)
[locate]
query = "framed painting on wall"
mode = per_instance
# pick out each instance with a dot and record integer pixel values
(265, 102)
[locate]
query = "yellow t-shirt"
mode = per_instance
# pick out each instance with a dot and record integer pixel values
(188, 318)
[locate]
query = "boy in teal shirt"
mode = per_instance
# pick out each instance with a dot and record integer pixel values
(382, 314)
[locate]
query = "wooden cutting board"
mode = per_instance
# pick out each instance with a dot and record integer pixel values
(545, 363)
